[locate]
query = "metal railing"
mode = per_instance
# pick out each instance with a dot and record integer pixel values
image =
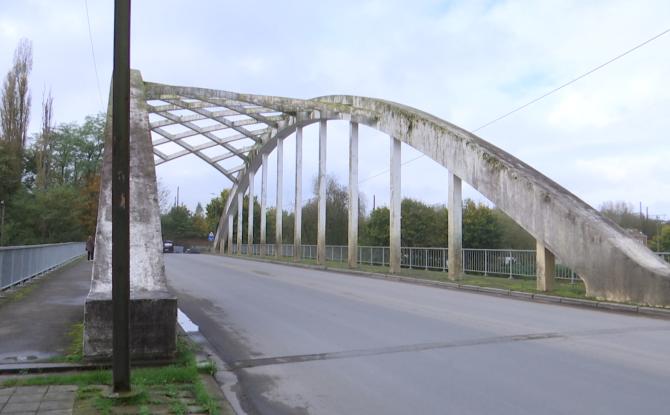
(504, 262)
(664, 255)
(20, 263)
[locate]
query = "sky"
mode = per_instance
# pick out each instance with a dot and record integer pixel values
(605, 138)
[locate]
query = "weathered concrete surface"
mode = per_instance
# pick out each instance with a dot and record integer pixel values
(455, 227)
(544, 267)
(250, 213)
(279, 205)
(321, 217)
(612, 264)
(352, 239)
(395, 205)
(147, 271)
(297, 216)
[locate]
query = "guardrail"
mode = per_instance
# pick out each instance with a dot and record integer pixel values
(505, 262)
(20, 263)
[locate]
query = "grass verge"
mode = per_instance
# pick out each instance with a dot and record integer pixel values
(561, 289)
(176, 387)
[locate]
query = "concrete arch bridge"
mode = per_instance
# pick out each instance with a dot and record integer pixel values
(244, 129)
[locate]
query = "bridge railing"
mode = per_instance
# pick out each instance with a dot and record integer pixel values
(504, 262)
(20, 263)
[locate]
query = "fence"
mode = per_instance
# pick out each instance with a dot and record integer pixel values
(20, 263)
(503, 262)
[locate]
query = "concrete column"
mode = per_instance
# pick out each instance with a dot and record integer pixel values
(264, 196)
(297, 226)
(455, 227)
(240, 218)
(353, 196)
(230, 234)
(279, 210)
(250, 218)
(321, 226)
(544, 267)
(394, 208)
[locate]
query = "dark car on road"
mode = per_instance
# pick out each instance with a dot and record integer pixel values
(168, 247)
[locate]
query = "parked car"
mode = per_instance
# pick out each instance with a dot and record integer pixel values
(168, 247)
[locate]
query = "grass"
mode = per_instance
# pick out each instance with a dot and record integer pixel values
(164, 386)
(561, 289)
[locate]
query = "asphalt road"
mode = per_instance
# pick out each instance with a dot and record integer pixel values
(304, 341)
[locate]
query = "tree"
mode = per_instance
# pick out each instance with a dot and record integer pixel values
(661, 242)
(377, 228)
(512, 235)
(422, 225)
(481, 230)
(14, 117)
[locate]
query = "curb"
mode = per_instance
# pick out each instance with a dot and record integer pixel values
(500, 292)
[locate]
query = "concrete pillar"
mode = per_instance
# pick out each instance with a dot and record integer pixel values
(544, 267)
(297, 217)
(250, 218)
(353, 196)
(321, 225)
(455, 227)
(279, 210)
(264, 196)
(230, 234)
(240, 218)
(394, 208)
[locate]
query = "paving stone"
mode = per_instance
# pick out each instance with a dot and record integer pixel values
(63, 388)
(24, 398)
(18, 413)
(28, 390)
(50, 405)
(55, 412)
(58, 396)
(3, 400)
(6, 391)
(11, 408)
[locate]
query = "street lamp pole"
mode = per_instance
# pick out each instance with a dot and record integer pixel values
(120, 198)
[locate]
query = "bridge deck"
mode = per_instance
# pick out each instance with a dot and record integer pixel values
(312, 341)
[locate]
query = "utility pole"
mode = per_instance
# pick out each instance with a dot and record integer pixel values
(120, 196)
(2, 222)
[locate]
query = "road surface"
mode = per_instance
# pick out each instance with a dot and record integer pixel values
(312, 342)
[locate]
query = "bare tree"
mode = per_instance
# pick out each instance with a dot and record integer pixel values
(45, 143)
(15, 103)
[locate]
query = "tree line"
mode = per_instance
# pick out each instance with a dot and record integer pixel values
(422, 225)
(49, 181)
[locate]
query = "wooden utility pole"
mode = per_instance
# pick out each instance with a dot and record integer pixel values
(120, 195)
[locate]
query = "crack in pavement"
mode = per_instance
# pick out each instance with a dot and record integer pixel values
(279, 360)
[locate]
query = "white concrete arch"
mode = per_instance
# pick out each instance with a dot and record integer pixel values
(612, 264)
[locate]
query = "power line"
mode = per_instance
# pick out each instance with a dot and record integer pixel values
(543, 95)
(95, 66)
(571, 81)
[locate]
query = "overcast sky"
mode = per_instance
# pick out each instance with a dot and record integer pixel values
(606, 137)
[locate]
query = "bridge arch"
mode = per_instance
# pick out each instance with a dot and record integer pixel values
(612, 264)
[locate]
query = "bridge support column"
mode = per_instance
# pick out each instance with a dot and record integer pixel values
(153, 310)
(544, 267)
(250, 218)
(321, 225)
(353, 196)
(230, 234)
(455, 227)
(264, 196)
(240, 218)
(297, 217)
(279, 210)
(395, 206)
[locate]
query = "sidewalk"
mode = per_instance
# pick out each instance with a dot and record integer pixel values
(35, 327)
